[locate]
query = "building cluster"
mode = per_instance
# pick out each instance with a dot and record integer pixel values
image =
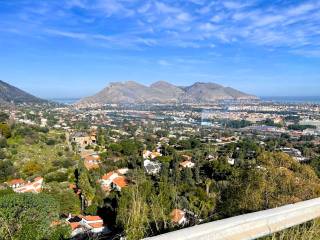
(86, 224)
(114, 180)
(22, 186)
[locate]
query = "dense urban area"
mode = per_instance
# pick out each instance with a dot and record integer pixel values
(133, 171)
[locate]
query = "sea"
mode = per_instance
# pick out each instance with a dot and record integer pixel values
(67, 101)
(294, 100)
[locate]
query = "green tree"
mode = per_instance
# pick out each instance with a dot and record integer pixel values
(28, 216)
(115, 147)
(88, 192)
(161, 205)
(4, 117)
(68, 200)
(133, 213)
(32, 168)
(129, 147)
(6, 170)
(133, 209)
(5, 130)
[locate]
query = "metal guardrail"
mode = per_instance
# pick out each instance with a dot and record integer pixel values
(249, 226)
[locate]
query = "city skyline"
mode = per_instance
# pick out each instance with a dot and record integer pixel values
(75, 48)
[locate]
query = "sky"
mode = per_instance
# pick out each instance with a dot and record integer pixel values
(74, 48)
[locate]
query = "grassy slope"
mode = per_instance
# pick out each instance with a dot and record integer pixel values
(39, 152)
(307, 231)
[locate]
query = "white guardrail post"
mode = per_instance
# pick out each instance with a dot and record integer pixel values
(249, 226)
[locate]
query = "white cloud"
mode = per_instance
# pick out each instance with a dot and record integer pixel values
(185, 17)
(217, 18)
(144, 8)
(76, 3)
(208, 27)
(74, 35)
(185, 24)
(112, 7)
(269, 19)
(303, 9)
(163, 62)
(164, 8)
(234, 4)
(307, 52)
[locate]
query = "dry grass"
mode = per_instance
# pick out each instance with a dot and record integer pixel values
(306, 231)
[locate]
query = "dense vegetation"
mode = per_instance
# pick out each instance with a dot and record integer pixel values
(30, 216)
(261, 177)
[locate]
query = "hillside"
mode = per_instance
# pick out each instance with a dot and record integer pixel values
(11, 94)
(163, 92)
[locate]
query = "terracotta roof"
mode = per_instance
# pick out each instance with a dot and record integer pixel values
(185, 163)
(34, 187)
(74, 225)
(16, 181)
(38, 179)
(28, 190)
(120, 181)
(157, 154)
(91, 165)
(187, 157)
(92, 218)
(86, 153)
(177, 215)
(92, 158)
(108, 175)
(96, 225)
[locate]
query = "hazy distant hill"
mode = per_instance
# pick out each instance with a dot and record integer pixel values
(9, 94)
(163, 92)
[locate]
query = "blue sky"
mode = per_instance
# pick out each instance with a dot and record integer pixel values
(74, 48)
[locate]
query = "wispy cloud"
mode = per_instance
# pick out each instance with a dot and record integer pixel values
(235, 4)
(187, 24)
(163, 62)
(307, 52)
(105, 40)
(74, 35)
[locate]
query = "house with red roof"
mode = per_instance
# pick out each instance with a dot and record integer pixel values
(91, 159)
(93, 223)
(151, 155)
(114, 180)
(15, 183)
(81, 224)
(107, 178)
(119, 183)
(187, 164)
(20, 186)
(178, 217)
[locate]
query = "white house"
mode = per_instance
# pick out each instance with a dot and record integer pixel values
(187, 164)
(92, 223)
(81, 224)
(114, 180)
(20, 186)
(152, 167)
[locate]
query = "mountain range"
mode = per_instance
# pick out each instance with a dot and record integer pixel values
(11, 94)
(163, 92)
